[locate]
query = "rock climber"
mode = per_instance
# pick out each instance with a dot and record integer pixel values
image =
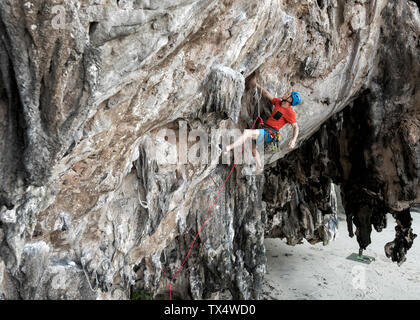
(281, 114)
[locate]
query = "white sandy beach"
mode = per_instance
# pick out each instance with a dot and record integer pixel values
(323, 272)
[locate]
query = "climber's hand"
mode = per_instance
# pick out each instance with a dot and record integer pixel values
(252, 82)
(286, 96)
(292, 144)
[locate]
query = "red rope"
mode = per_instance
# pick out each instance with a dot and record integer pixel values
(208, 215)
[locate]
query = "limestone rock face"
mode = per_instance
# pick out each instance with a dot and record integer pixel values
(105, 106)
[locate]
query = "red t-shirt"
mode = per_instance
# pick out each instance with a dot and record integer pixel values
(280, 115)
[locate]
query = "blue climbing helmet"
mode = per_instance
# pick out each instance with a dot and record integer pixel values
(296, 98)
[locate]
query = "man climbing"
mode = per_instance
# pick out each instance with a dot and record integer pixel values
(282, 114)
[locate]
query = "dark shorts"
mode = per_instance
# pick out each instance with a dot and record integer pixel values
(264, 136)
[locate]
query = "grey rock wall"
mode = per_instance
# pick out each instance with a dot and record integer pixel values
(86, 211)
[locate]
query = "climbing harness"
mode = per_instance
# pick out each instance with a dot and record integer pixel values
(276, 142)
(275, 136)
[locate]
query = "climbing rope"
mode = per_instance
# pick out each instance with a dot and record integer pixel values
(144, 204)
(208, 215)
(258, 108)
(87, 278)
(258, 103)
(258, 100)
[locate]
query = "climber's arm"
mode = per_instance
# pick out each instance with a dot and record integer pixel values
(264, 92)
(292, 142)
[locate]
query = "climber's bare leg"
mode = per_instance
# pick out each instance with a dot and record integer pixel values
(249, 133)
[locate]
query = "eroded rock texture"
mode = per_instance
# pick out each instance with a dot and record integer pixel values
(87, 87)
(340, 153)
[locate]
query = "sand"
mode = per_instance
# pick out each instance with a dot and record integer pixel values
(320, 272)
